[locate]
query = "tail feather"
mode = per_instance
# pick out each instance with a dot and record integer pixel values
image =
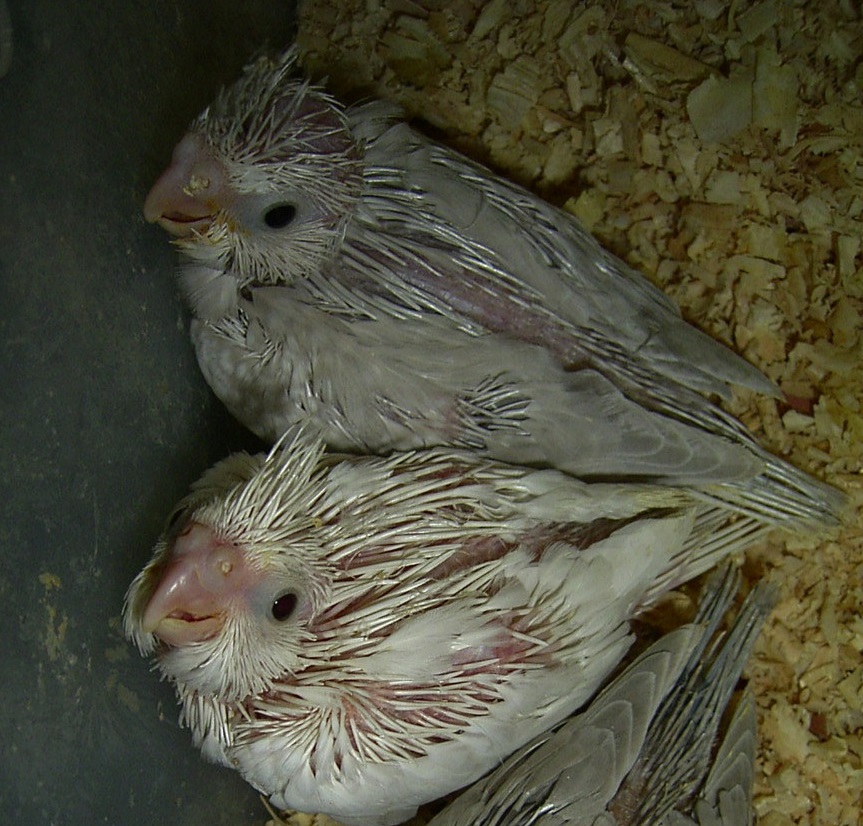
(781, 495)
(785, 497)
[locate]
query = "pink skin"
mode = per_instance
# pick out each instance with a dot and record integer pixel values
(189, 192)
(203, 578)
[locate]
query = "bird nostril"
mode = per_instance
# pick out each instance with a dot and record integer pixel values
(197, 183)
(222, 571)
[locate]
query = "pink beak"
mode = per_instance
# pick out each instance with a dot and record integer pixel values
(204, 576)
(189, 192)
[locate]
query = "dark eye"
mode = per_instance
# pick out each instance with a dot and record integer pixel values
(279, 216)
(284, 605)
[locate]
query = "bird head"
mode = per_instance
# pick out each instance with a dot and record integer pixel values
(263, 183)
(227, 595)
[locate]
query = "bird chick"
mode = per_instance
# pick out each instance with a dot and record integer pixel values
(343, 269)
(358, 635)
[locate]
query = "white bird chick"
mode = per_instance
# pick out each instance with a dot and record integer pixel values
(359, 635)
(345, 270)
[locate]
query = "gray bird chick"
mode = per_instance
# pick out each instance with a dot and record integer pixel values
(344, 269)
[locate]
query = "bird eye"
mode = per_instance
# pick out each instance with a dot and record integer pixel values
(284, 605)
(279, 216)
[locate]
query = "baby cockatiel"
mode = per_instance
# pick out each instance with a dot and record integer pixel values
(645, 750)
(358, 635)
(344, 269)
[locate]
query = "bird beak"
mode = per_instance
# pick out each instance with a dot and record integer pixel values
(189, 192)
(204, 575)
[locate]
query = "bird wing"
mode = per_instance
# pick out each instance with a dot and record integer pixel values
(437, 235)
(510, 262)
(484, 393)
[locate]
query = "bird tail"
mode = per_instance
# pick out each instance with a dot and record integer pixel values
(783, 496)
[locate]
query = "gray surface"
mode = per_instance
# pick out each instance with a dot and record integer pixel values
(105, 418)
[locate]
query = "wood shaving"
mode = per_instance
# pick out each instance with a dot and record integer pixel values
(719, 149)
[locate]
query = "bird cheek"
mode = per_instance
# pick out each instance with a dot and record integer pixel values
(204, 580)
(189, 192)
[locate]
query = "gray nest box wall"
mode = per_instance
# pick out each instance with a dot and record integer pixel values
(105, 417)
